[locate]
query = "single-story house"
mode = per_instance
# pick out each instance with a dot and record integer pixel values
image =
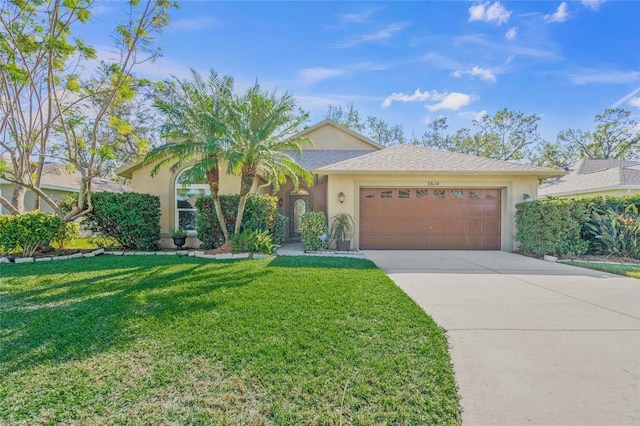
(57, 181)
(590, 177)
(402, 197)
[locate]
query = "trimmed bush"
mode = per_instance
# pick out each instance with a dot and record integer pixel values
(551, 227)
(261, 214)
(132, 219)
(27, 231)
(67, 232)
(314, 231)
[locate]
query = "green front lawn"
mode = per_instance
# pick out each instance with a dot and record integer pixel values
(168, 340)
(630, 270)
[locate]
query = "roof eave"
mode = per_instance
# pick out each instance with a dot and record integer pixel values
(127, 170)
(590, 190)
(538, 174)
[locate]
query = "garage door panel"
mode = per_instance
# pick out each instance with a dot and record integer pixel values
(423, 218)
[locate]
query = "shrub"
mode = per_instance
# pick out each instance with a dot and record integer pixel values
(314, 232)
(261, 213)
(551, 227)
(132, 219)
(616, 233)
(67, 232)
(27, 231)
(252, 241)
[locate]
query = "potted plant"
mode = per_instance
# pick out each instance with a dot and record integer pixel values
(179, 236)
(341, 227)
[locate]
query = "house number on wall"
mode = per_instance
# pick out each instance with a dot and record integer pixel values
(433, 183)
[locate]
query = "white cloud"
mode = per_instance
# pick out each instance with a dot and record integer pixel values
(625, 98)
(195, 24)
(476, 71)
(635, 102)
(357, 17)
(474, 115)
(592, 4)
(511, 33)
(417, 96)
(383, 34)
(453, 101)
(605, 76)
(489, 13)
(560, 15)
(314, 75)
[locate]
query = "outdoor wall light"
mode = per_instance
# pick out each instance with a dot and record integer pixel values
(280, 201)
(526, 196)
(341, 197)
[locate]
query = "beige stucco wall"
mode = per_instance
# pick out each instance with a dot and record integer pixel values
(329, 137)
(513, 189)
(163, 186)
(6, 190)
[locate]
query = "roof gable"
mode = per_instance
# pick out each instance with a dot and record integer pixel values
(329, 135)
(411, 158)
(592, 175)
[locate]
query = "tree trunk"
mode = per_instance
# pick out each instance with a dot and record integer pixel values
(17, 200)
(213, 178)
(246, 183)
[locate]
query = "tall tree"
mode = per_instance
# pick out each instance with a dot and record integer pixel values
(45, 97)
(196, 130)
(262, 125)
(616, 136)
(36, 46)
(508, 135)
(375, 128)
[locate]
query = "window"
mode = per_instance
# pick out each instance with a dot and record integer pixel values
(421, 193)
(386, 194)
(456, 193)
(404, 193)
(370, 196)
(187, 192)
(474, 195)
(439, 193)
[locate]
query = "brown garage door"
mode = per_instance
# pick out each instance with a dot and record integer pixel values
(416, 218)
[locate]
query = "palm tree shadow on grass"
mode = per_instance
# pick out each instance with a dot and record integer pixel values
(78, 318)
(323, 262)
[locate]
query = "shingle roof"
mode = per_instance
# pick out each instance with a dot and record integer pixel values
(56, 176)
(313, 159)
(410, 158)
(592, 175)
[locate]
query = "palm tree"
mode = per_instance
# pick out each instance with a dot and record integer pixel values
(262, 126)
(195, 129)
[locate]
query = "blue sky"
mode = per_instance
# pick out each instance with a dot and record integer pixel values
(411, 62)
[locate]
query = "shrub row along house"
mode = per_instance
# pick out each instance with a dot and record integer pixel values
(403, 197)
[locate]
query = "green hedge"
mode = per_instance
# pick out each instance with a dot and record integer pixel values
(132, 219)
(314, 231)
(26, 232)
(567, 226)
(260, 214)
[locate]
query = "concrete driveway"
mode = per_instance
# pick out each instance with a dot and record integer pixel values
(532, 342)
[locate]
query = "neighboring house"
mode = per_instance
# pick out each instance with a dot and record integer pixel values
(57, 182)
(593, 177)
(403, 197)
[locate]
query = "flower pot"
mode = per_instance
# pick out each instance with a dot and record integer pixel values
(179, 242)
(343, 245)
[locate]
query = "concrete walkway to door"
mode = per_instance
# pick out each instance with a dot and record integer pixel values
(532, 342)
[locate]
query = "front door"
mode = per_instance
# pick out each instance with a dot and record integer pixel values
(298, 205)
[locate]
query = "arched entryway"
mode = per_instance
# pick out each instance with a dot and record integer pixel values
(299, 204)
